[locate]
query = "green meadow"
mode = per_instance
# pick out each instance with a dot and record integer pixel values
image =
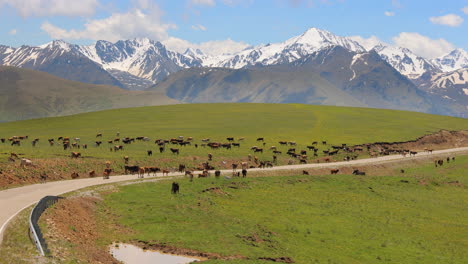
(416, 217)
(291, 122)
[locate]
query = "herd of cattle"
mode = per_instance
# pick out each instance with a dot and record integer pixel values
(289, 148)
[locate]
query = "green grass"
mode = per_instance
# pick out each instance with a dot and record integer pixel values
(312, 219)
(292, 122)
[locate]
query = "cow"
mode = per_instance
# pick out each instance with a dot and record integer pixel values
(98, 143)
(357, 172)
(131, 169)
(149, 152)
(258, 150)
(99, 135)
(210, 156)
(217, 174)
(141, 172)
(174, 151)
(13, 155)
(175, 188)
(92, 174)
(324, 142)
(16, 142)
(335, 171)
(26, 163)
(43, 177)
(154, 170)
(3, 140)
(260, 139)
(161, 149)
(75, 175)
(234, 166)
(165, 172)
(118, 147)
(106, 173)
(230, 139)
(236, 144)
(244, 173)
(413, 153)
(75, 155)
(304, 172)
(181, 167)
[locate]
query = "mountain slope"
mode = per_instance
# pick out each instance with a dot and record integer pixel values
(60, 59)
(405, 61)
(332, 76)
(28, 94)
(142, 58)
(285, 52)
(455, 60)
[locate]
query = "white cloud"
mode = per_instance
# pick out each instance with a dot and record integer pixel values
(215, 47)
(13, 32)
(27, 8)
(422, 45)
(133, 24)
(465, 10)
(388, 13)
(368, 43)
(198, 27)
(203, 2)
(451, 20)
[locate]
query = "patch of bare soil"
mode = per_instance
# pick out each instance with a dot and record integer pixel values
(72, 231)
(441, 140)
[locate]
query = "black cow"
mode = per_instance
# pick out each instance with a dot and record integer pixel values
(131, 169)
(175, 188)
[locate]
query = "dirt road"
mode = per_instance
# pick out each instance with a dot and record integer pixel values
(14, 200)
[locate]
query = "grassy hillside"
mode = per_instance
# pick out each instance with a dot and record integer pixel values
(28, 94)
(416, 217)
(295, 122)
(287, 122)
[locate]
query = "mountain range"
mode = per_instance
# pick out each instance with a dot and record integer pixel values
(368, 77)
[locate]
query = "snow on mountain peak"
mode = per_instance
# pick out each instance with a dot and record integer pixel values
(456, 59)
(57, 44)
(404, 60)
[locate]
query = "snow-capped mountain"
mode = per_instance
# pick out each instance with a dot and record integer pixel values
(58, 58)
(285, 52)
(143, 58)
(456, 59)
(405, 61)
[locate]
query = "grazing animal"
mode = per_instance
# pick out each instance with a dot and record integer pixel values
(413, 153)
(357, 172)
(126, 158)
(217, 174)
(230, 139)
(141, 172)
(107, 172)
(334, 171)
(99, 135)
(210, 156)
(175, 188)
(304, 172)
(75, 155)
(161, 149)
(92, 174)
(26, 163)
(150, 152)
(75, 175)
(43, 177)
(174, 151)
(402, 171)
(181, 167)
(154, 170)
(260, 139)
(244, 173)
(131, 169)
(165, 172)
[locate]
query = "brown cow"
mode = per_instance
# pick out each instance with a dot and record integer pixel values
(107, 172)
(175, 151)
(165, 172)
(304, 172)
(75, 175)
(141, 172)
(334, 171)
(75, 155)
(92, 174)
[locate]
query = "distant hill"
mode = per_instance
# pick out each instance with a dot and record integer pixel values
(26, 94)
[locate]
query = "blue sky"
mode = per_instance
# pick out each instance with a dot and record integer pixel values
(429, 28)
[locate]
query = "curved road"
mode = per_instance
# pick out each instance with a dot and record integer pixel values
(13, 201)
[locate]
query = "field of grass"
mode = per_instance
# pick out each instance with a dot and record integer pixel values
(311, 219)
(290, 122)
